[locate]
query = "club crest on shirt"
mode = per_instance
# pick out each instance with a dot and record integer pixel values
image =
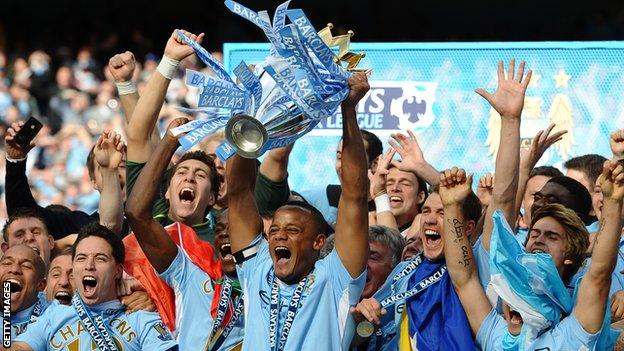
(309, 283)
(163, 334)
(207, 287)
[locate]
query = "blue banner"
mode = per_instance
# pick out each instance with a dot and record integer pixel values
(429, 88)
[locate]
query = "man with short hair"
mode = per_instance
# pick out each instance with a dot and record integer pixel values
(59, 280)
(537, 178)
(386, 246)
(585, 169)
(293, 299)
(407, 191)
(182, 200)
(191, 193)
(98, 255)
(567, 192)
(25, 271)
(401, 280)
(26, 226)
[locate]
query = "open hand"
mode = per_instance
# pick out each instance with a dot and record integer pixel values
(411, 155)
(508, 99)
(108, 150)
(541, 142)
(378, 179)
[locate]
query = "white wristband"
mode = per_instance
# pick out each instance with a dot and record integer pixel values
(126, 88)
(382, 203)
(168, 67)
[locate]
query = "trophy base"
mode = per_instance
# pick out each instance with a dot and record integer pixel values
(247, 135)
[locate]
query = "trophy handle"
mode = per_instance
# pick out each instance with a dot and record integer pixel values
(247, 135)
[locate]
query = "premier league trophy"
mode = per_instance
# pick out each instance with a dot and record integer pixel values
(301, 82)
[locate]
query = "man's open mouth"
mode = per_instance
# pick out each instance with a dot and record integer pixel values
(432, 237)
(89, 284)
(187, 195)
(64, 297)
(282, 254)
(396, 201)
(225, 250)
(16, 285)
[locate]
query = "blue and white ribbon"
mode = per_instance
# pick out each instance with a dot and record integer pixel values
(251, 83)
(96, 326)
(301, 79)
(206, 58)
(197, 130)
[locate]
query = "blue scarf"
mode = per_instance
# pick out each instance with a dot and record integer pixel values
(436, 315)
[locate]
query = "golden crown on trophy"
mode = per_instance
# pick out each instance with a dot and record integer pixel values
(342, 42)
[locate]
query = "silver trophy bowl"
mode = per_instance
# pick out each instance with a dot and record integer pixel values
(247, 135)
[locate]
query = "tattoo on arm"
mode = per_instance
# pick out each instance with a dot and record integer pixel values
(465, 256)
(458, 230)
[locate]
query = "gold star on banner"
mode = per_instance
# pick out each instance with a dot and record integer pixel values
(535, 79)
(562, 79)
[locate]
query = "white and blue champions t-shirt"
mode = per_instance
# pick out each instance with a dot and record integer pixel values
(323, 320)
(60, 328)
(568, 334)
(193, 298)
(22, 319)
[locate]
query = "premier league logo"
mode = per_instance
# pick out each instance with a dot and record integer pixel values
(390, 106)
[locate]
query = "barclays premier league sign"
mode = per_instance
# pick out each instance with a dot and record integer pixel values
(388, 107)
(429, 88)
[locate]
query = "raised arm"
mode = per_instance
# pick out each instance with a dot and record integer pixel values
(508, 101)
(616, 142)
(159, 249)
(108, 152)
(19, 194)
(541, 142)
(379, 193)
(593, 292)
(352, 219)
(412, 159)
(121, 68)
(275, 165)
(243, 217)
(455, 187)
(273, 191)
(145, 114)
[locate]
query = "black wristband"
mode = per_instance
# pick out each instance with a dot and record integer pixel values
(243, 255)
